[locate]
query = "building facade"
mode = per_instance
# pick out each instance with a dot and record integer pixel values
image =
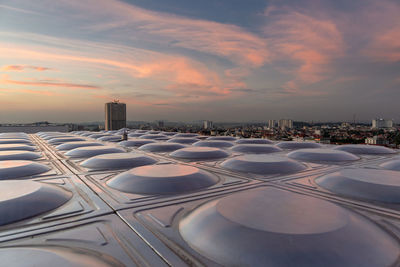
(271, 124)
(115, 116)
(208, 125)
(285, 124)
(381, 124)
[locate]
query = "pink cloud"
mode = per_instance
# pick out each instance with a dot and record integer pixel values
(176, 71)
(51, 84)
(23, 67)
(311, 42)
(225, 40)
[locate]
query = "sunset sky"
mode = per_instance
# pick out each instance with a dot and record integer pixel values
(222, 60)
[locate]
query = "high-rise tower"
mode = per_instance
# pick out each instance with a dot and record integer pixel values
(115, 113)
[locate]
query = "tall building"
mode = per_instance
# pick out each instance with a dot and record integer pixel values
(208, 125)
(115, 115)
(285, 124)
(271, 124)
(381, 123)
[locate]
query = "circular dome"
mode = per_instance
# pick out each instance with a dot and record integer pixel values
(320, 154)
(162, 179)
(55, 256)
(19, 155)
(254, 141)
(117, 161)
(169, 133)
(365, 149)
(50, 137)
(393, 165)
(112, 138)
(17, 147)
(256, 148)
(369, 184)
(56, 141)
(153, 132)
(135, 134)
(200, 153)
(90, 151)
(136, 142)
(263, 164)
(161, 147)
(222, 138)
(141, 131)
(20, 200)
(153, 136)
(298, 145)
(86, 134)
(11, 169)
(72, 145)
(15, 141)
(208, 143)
(185, 135)
(183, 140)
(272, 227)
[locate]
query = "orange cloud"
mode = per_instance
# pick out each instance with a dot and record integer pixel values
(23, 67)
(225, 40)
(309, 42)
(51, 84)
(312, 42)
(30, 91)
(176, 71)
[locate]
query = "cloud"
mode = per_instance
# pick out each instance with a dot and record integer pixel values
(120, 19)
(309, 42)
(51, 84)
(383, 37)
(24, 67)
(18, 9)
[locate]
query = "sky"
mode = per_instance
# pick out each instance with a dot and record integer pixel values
(220, 60)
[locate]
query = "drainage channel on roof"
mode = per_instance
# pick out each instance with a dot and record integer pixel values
(212, 143)
(393, 165)
(272, 227)
(322, 155)
(263, 164)
(15, 141)
(200, 153)
(255, 148)
(90, 151)
(298, 145)
(117, 161)
(72, 145)
(136, 142)
(253, 141)
(365, 149)
(17, 147)
(183, 140)
(55, 256)
(19, 155)
(11, 169)
(162, 179)
(161, 147)
(368, 184)
(20, 200)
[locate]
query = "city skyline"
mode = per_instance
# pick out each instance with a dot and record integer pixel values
(184, 61)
